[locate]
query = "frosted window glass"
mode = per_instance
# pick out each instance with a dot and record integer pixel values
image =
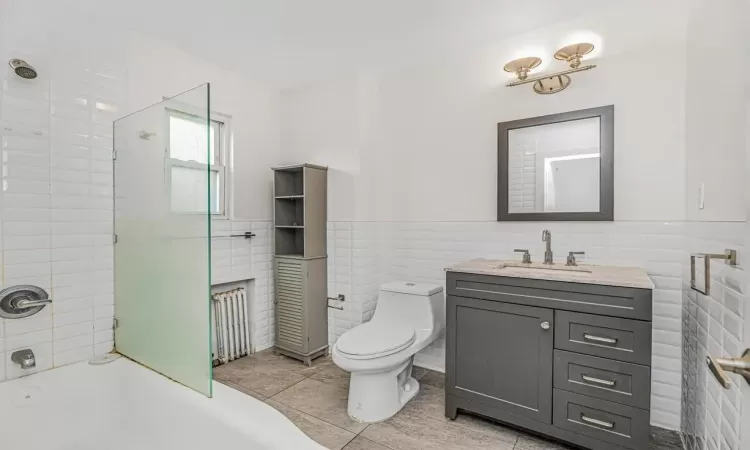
(189, 190)
(188, 140)
(162, 259)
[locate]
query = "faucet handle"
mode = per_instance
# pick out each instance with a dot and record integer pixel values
(572, 258)
(526, 255)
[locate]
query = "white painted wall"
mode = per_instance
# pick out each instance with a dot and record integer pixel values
(420, 143)
(156, 70)
(436, 138)
(326, 124)
(433, 135)
(715, 120)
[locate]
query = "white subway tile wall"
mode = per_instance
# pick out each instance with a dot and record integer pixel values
(362, 255)
(56, 227)
(712, 325)
(522, 180)
(239, 259)
(56, 203)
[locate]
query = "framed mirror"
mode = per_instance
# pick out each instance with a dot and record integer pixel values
(557, 168)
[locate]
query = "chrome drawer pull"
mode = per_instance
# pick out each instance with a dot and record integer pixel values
(597, 380)
(599, 423)
(603, 340)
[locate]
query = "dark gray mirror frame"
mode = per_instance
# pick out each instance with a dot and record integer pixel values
(606, 116)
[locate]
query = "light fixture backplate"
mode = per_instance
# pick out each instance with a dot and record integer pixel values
(552, 85)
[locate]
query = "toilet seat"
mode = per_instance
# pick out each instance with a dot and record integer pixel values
(372, 340)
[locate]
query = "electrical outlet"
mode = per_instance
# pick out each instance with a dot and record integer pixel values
(702, 196)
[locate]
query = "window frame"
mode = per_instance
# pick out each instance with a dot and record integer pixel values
(220, 165)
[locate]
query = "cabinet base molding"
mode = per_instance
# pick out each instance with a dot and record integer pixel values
(306, 358)
(455, 405)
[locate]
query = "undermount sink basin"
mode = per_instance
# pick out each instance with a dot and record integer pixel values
(539, 268)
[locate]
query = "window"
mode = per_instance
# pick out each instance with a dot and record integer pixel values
(190, 150)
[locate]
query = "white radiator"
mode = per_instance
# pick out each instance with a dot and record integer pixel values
(232, 324)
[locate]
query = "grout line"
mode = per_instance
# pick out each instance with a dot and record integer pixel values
(373, 441)
(315, 417)
(350, 441)
(308, 414)
(286, 389)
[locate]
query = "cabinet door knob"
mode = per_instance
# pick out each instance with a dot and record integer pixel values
(545, 325)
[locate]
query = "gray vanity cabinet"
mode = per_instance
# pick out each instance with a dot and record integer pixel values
(568, 360)
(515, 378)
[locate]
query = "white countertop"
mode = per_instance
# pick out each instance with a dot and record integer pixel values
(632, 277)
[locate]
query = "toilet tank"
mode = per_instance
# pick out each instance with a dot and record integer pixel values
(418, 304)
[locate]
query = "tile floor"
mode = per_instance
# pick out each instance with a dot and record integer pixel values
(315, 398)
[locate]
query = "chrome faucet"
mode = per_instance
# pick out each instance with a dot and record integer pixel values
(547, 237)
(25, 358)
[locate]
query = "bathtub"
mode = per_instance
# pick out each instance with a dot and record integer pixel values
(124, 406)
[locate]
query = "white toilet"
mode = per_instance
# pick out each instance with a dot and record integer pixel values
(380, 353)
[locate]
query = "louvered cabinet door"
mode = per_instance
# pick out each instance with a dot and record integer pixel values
(290, 304)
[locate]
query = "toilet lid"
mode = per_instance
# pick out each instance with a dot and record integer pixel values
(371, 340)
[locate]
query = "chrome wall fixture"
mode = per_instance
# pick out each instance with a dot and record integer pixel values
(554, 82)
(720, 366)
(17, 302)
(729, 257)
(23, 69)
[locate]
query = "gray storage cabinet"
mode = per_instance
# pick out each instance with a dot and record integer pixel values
(567, 360)
(300, 261)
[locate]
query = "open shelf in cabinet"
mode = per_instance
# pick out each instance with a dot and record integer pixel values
(289, 212)
(289, 182)
(290, 241)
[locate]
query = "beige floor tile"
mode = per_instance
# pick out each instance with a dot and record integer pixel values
(407, 432)
(433, 378)
(332, 374)
(243, 389)
(269, 358)
(419, 372)
(321, 400)
(360, 443)
(264, 379)
(535, 443)
(430, 402)
(325, 434)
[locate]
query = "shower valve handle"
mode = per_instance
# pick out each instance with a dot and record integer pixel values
(26, 303)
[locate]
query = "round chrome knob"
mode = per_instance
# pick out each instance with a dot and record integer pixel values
(545, 325)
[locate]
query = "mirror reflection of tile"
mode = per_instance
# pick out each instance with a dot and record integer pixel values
(554, 167)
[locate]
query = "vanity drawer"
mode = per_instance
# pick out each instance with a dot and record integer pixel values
(608, 337)
(606, 421)
(616, 381)
(614, 301)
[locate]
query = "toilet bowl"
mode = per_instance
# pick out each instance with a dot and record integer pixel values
(380, 353)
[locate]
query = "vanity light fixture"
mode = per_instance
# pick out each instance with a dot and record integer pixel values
(522, 66)
(555, 82)
(573, 53)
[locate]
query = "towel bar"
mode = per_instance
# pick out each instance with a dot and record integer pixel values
(729, 256)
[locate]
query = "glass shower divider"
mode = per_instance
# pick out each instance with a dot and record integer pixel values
(162, 206)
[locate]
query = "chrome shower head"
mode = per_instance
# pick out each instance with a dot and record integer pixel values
(23, 69)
